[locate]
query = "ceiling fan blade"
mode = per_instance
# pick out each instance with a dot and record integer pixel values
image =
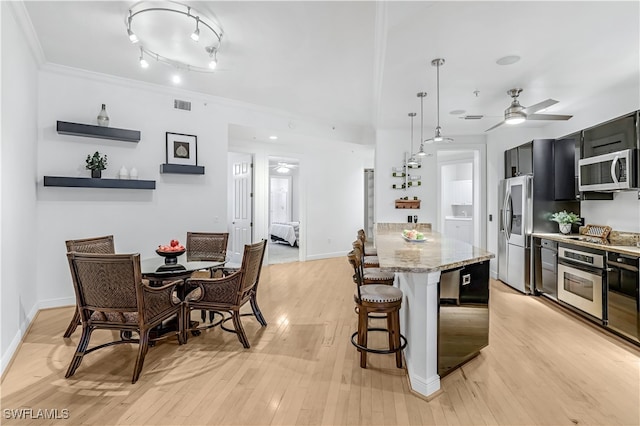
(548, 117)
(539, 106)
(499, 124)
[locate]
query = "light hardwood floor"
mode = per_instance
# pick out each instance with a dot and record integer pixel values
(542, 366)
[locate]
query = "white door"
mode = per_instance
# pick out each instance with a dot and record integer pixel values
(241, 200)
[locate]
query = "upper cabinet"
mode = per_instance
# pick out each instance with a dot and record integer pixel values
(91, 131)
(615, 135)
(519, 161)
(565, 166)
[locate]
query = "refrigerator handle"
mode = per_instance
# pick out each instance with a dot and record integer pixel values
(507, 215)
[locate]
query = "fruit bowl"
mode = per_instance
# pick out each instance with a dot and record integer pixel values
(170, 257)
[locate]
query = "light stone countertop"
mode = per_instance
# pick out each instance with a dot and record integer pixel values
(631, 250)
(437, 253)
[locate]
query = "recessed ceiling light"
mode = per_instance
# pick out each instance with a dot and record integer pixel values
(457, 112)
(508, 60)
(176, 79)
(273, 137)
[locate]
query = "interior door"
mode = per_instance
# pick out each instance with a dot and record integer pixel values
(241, 200)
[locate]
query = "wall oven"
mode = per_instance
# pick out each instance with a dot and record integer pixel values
(581, 279)
(609, 172)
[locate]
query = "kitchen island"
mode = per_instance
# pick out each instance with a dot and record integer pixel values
(444, 314)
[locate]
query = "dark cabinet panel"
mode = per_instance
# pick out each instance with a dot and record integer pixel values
(519, 161)
(565, 167)
(614, 135)
(474, 283)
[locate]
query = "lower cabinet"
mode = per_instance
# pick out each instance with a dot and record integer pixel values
(461, 230)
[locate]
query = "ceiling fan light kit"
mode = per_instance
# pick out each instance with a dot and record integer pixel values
(517, 114)
(148, 22)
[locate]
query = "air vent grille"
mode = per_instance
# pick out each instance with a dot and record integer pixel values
(185, 105)
(471, 117)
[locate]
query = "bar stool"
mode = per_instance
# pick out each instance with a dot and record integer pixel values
(369, 250)
(376, 298)
(367, 261)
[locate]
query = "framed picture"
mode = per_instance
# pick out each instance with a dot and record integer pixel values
(182, 149)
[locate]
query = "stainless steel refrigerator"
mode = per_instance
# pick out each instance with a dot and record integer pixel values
(516, 209)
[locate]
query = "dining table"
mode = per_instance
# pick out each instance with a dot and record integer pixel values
(158, 271)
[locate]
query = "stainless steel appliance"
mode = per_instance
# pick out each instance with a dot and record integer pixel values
(609, 172)
(548, 268)
(514, 232)
(581, 278)
(623, 299)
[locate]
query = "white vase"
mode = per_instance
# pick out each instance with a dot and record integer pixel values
(123, 174)
(133, 174)
(103, 118)
(565, 228)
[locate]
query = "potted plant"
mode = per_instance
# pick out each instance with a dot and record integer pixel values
(96, 164)
(565, 220)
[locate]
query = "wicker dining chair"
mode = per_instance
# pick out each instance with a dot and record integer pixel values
(102, 245)
(111, 295)
(229, 293)
(207, 246)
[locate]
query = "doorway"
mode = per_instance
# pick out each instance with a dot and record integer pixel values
(284, 219)
(459, 215)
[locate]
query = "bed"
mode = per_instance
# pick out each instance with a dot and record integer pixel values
(285, 232)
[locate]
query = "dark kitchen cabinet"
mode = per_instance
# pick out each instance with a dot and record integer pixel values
(565, 167)
(474, 283)
(615, 135)
(519, 160)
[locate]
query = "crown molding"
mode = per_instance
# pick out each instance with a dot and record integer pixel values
(24, 22)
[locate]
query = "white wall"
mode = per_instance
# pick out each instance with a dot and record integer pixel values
(19, 250)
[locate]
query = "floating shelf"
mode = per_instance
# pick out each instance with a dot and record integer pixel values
(407, 204)
(181, 169)
(91, 131)
(80, 182)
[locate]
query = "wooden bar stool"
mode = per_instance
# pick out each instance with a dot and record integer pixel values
(376, 298)
(367, 261)
(369, 250)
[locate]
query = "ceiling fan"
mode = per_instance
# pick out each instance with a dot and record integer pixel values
(283, 167)
(516, 113)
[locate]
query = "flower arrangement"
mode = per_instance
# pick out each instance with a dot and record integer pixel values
(565, 218)
(96, 162)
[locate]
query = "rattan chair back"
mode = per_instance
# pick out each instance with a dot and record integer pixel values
(102, 245)
(207, 246)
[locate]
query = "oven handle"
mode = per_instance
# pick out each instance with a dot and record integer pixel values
(621, 266)
(593, 271)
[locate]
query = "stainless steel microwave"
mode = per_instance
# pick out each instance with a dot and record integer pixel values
(614, 171)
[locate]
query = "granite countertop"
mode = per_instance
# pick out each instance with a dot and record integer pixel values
(572, 239)
(437, 253)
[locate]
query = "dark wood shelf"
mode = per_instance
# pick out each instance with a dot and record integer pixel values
(80, 182)
(91, 131)
(181, 169)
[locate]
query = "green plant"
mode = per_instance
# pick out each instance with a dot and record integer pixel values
(96, 162)
(564, 217)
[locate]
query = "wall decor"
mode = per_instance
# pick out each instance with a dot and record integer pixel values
(182, 149)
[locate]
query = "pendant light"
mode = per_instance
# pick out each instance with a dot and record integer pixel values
(412, 161)
(421, 95)
(438, 135)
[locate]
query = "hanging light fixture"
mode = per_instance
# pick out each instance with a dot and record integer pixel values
(143, 61)
(421, 95)
(438, 135)
(146, 15)
(412, 161)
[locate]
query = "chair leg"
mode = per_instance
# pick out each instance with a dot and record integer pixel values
(80, 351)
(142, 352)
(256, 311)
(203, 316)
(396, 336)
(363, 324)
(75, 321)
(235, 315)
(181, 324)
(186, 324)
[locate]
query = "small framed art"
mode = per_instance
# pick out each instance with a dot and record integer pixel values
(182, 149)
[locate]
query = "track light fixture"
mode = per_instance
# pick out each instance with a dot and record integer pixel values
(195, 36)
(143, 61)
(163, 45)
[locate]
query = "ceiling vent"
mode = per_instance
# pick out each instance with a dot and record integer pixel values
(471, 117)
(185, 105)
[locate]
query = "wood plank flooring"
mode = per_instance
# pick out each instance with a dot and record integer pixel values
(543, 366)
